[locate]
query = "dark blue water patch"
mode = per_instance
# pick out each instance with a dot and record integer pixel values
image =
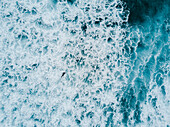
(109, 40)
(77, 121)
(125, 117)
(80, 62)
(45, 49)
(163, 90)
(137, 113)
(158, 45)
(131, 76)
(34, 11)
(10, 14)
(54, 1)
(83, 53)
(73, 32)
(141, 47)
(153, 101)
(71, 1)
(107, 110)
(25, 78)
(34, 117)
(97, 23)
(32, 92)
(142, 94)
(163, 56)
(125, 109)
(132, 102)
(76, 97)
(109, 122)
(87, 8)
(159, 79)
(84, 27)
(148, 70)
(87, 79)
(82, 115)
(5, 73)
(141, 9)
(35, 65)
(146, 75)
(110, 1)
(138, 84)
(22, 37)
(14, 109)
(90, 114)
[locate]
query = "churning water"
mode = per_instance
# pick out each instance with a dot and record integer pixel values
(84, 63)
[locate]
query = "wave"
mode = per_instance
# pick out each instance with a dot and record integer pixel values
(84, 63)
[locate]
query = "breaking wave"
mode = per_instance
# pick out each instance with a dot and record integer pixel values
(84, 63)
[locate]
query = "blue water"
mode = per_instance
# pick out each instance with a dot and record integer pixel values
(90, 63)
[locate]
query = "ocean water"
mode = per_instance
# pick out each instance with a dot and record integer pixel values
(84, 63)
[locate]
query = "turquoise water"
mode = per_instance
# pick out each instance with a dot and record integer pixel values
(100, 63)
